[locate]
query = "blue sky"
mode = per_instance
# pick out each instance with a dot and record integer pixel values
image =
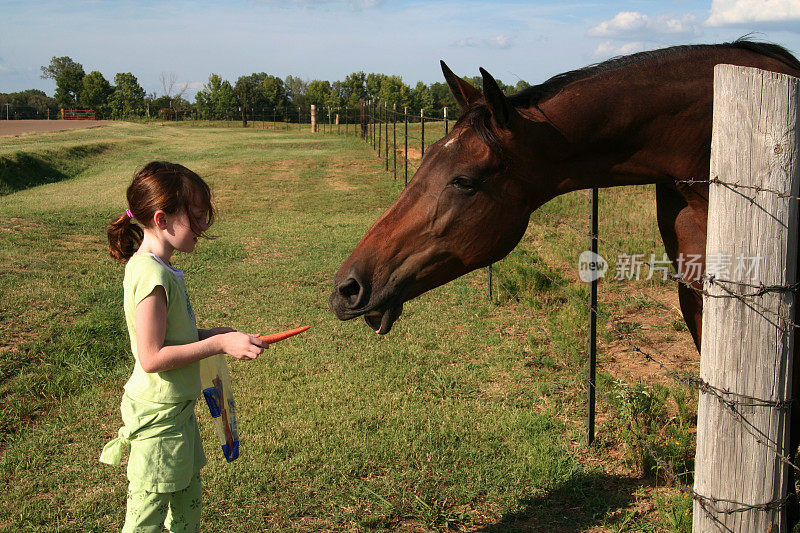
(328, 39)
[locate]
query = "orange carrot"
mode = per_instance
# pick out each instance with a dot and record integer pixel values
(275, 337)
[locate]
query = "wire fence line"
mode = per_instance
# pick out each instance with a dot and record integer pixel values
(752, 293)
(389, 130)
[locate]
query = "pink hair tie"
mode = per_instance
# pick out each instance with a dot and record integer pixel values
(128, 212)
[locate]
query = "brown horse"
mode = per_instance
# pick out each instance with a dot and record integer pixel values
(643, 118)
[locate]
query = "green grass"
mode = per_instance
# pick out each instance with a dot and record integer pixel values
(464, 416)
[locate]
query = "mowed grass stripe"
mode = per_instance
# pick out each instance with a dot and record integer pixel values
(442, 423)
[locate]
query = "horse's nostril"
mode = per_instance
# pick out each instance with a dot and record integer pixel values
(351, 291)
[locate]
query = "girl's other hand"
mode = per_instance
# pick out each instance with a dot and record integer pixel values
(241, 345)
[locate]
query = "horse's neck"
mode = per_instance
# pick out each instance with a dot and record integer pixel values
(646, 133)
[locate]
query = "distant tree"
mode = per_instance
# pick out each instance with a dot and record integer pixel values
(31, 103)
(295, 89)
(216, 99)
(225, 101)
(337, 99)
(373, 84)
(128, 97)
(95, 93)
(245, 91)
(272, 93)
(182, 105)
(68, 76)
(442, 97)
(507, 89)
(170, 87)
(158, 103)
(168, 107)
(204, 98)
(319, 92)
(421, 98)
(394, 92)
(475, 81)
(521, 85)
(354, 89)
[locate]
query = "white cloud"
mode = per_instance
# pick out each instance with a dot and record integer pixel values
(627, 24)
(623, 22)
(608, 49)
(498, 41)
(733, 12)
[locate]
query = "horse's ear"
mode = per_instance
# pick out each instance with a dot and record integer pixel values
(502, 111)
(464, 93)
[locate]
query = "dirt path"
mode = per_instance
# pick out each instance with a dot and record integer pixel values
(19, 127)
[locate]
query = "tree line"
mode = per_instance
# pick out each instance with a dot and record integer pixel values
(254, 95)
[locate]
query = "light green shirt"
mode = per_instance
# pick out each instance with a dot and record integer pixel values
(143, 273)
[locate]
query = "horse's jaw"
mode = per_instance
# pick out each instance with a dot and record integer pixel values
(382, 320)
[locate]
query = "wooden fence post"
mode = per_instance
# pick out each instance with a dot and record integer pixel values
(313, 118)
(747, 343)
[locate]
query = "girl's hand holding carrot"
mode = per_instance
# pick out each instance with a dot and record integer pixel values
(241, 345)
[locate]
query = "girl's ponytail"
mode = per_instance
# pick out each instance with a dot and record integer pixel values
(124, 238)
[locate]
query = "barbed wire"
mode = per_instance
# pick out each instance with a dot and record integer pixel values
(757, 188)
(696, 285)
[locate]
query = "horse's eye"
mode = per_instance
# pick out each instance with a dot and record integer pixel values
(464, 183)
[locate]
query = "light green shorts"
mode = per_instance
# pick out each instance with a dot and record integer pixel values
(166, 450)
(151, 512)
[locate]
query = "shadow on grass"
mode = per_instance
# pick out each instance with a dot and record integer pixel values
(23, 170)
(583, 501)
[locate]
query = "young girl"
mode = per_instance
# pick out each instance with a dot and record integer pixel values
(172, 208)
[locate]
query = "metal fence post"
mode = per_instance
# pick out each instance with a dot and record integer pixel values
(489, 282)
(386, 135)
(592, 348)
(405, 120)
(422, 129)
(394, 138)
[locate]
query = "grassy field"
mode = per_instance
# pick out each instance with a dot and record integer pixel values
(466, 416)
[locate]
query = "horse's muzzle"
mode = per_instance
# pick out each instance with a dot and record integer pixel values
(351, 298)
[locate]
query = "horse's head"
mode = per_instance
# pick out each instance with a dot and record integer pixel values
(466, 207)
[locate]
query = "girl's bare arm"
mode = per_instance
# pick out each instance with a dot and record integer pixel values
(151, 319)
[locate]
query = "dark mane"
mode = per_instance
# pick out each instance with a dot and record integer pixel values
(478, 118)
(536, 93)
